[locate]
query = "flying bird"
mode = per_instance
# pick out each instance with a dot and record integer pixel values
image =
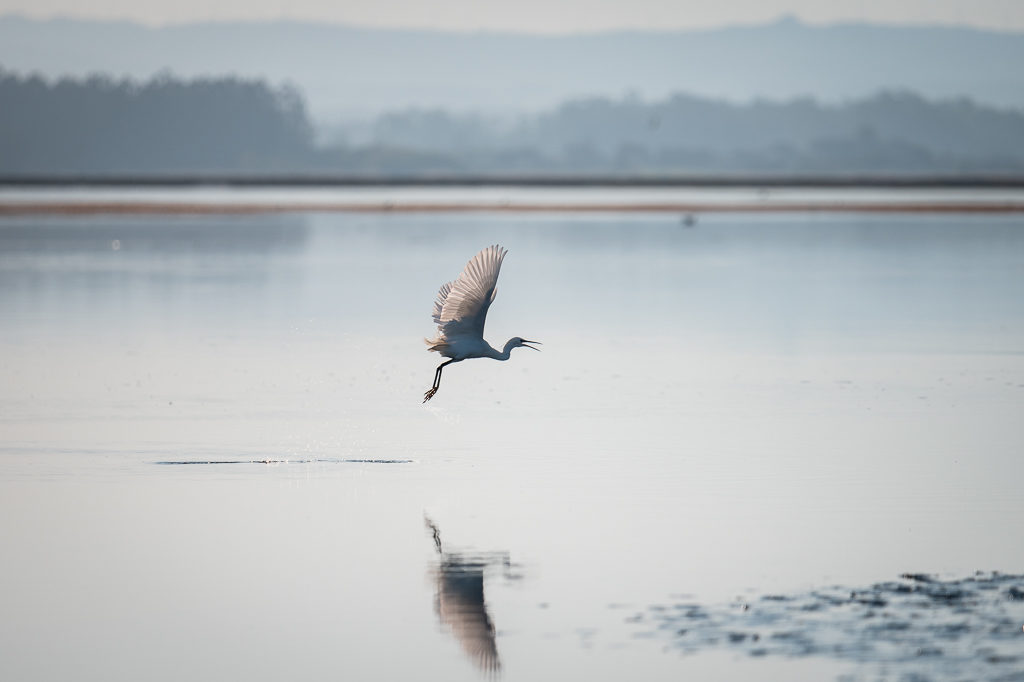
(461, 310)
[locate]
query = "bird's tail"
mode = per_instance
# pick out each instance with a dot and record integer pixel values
(436, 344)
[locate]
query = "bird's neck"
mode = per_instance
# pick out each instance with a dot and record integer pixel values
(502, 354)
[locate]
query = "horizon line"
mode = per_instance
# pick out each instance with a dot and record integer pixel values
(783, 19)
(837, 179)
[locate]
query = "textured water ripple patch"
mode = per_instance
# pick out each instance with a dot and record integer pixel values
(283, 461)
(917, 627)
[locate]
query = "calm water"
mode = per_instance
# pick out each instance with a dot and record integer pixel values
(214, 461)
(397, 196)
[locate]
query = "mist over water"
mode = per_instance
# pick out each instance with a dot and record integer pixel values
(751, 405)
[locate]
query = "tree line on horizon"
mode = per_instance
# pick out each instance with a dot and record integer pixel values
(99, 125)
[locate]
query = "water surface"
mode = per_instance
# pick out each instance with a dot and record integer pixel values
(750, 406)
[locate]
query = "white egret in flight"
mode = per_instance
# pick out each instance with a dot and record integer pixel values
(461, 310)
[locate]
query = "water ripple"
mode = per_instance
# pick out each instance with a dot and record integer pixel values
(917, 627)
(286, 461)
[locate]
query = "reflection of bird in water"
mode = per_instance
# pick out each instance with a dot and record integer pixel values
(460, 604)
(461, 310)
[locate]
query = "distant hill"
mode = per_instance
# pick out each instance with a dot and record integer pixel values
(887, 132)
(347, 72)
(167, 125)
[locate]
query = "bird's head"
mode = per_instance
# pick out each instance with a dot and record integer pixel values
(519, 341)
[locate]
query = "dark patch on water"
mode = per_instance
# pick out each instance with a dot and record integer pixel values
(919, 627)
(286, 461)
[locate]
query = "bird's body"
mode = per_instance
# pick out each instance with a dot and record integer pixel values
(460, 312)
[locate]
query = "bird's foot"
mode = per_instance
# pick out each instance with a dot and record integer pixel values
(429, 394)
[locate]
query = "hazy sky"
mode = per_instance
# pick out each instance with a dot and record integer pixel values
(550, 16)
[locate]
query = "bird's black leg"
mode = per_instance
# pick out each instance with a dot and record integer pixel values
(437, 381)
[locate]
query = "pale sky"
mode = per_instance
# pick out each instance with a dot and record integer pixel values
(546, 16)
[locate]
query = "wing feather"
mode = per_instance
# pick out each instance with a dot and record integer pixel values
(461, 306)
(439, 302)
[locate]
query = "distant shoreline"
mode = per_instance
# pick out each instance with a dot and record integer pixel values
(868, 181)
(254, 194)
(193, 208)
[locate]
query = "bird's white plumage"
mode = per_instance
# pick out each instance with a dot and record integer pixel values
(461, 306)
(460, 311)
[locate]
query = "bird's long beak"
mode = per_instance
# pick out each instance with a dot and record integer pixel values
(531, 347)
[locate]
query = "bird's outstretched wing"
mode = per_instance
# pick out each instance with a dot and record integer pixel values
(461, 306)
